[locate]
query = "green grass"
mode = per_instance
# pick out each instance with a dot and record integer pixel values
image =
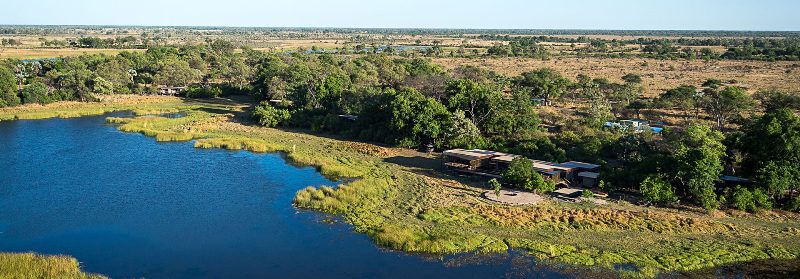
(402, 209)
(29, 265)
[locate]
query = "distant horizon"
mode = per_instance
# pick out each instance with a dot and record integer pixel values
(686, 15)
(401, 28)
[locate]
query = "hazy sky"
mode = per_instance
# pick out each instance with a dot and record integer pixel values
(532, 14)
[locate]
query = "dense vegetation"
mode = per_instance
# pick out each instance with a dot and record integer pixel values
(770, 49)
(412, 102)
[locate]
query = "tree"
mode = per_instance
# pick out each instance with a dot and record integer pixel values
(599, 112)
(723, 105)
(8, 88)
(637, 106)
(462, 133)
(416, 119)
(116, 71)
(36, 92)
(544, 83)
(770, 147)
(656, 189)
(774, 100)
(269, 116)
(777, 178)
(102, 86)
(520, 173)
(239, 73)
(632, 78)
(72, 79)
(683, 97)
(175, 72)
(477, 101)
(698, 152)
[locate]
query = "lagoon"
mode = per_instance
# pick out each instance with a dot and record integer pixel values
(126, 206)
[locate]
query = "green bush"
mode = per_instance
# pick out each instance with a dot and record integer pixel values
(794, 205)
(743, 199)
(203, 92)
(658, 190)
(762, 199)
(269, 116)
(36, 92)
(520, 173)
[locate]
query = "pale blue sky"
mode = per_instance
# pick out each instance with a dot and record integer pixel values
(570, 14)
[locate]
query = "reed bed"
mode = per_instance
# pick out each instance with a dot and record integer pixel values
(30, 265)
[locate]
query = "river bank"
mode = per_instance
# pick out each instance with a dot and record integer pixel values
(403, 203)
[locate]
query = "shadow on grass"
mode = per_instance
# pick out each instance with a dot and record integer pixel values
(766, 269)
(419, 162)
(432, 168)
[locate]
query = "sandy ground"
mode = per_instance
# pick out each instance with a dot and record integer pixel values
(513, 197)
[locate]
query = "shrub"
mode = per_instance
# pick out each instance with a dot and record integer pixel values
(269, 116)
(496, 186)
(743, 199)
(36, 92)
(794, 205)
(762, 199)
(657, 190)
(203, 92)
(520, 173)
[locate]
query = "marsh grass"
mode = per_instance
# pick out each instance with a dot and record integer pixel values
(30, 265)
(404, 210)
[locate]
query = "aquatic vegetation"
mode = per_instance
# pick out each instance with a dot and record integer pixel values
(248, 144)
(30, 265)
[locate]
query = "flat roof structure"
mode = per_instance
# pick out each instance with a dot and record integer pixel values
(507, 158)
(468, 154)
(582, 165)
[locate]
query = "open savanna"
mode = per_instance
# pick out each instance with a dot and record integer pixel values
(403, 201)
(39, 53)
(658, 75)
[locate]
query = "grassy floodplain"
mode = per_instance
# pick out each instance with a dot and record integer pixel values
(404, 206)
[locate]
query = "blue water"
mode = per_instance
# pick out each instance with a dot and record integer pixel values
(126, 206)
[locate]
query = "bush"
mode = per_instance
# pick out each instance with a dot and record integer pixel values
(203, 92)
(520, 173)
(762, 199)
(269, 116)
(657, 190)
(36, 92)
(743, 199)
(794, 205)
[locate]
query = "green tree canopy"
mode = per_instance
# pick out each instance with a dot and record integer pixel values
(727, 103)
(8, 88)
(543, 83)
(698, 152)
(521, 174)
